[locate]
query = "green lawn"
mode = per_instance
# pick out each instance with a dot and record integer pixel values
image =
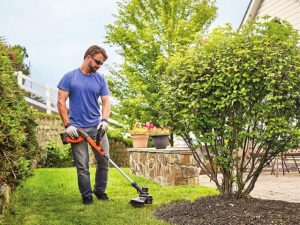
(51, 197)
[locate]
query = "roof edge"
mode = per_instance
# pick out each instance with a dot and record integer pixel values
(251, 11)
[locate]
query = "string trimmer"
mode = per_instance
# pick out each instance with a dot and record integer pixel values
(144, 197)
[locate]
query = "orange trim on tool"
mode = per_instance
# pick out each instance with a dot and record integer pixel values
(83, 136)
(74, 141)
(97, 147)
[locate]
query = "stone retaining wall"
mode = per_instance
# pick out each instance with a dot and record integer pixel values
(118, 153)
(48, 129)
(5, 192)
(171, 166)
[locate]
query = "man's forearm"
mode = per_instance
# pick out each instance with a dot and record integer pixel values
(63, 112)
(62, 107)
(105, 110)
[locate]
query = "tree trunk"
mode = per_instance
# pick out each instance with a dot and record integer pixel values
(227, 184)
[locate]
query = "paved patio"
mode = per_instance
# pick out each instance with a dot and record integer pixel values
(284, 187)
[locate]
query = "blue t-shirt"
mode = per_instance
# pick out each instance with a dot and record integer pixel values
(84, 92)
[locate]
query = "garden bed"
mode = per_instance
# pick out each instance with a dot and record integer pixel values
(220, 210)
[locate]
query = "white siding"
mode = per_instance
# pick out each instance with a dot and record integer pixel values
(285, 9)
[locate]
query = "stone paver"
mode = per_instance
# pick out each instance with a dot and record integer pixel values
(283, 187)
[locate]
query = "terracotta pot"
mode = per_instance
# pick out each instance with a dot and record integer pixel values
(160, 141)
(140, 140)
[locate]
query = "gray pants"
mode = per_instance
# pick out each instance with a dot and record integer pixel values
(81, 160)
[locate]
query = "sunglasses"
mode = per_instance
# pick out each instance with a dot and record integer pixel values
(98, 62)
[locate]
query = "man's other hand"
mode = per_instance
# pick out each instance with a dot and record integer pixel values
(103, 124)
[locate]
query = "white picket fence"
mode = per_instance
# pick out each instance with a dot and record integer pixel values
(42, 96)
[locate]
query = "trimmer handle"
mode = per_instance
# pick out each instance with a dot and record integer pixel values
(83, 136)
(99, 136)
(67, 140)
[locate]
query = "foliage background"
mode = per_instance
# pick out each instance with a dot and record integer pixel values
(147, 33)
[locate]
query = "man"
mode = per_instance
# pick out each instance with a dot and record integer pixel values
(83, 86)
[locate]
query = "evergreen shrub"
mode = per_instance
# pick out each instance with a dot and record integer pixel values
(18, 144)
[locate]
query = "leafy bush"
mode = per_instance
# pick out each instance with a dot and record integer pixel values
(119, 136)
(18, 144)
(58, 155)
(239, 95)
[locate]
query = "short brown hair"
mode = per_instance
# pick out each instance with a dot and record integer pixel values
(94, 50)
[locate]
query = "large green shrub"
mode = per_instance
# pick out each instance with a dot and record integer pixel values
(18, 145)
(239, 95)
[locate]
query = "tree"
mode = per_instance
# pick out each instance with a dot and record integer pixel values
(237, 94)
(147, 32)
(17, 55)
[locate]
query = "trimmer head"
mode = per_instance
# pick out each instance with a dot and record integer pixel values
(144, 198)
(137, 202)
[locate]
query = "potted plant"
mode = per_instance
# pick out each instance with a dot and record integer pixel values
(160, 137)
(139, 135)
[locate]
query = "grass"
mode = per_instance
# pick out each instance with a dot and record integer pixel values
(51, 197)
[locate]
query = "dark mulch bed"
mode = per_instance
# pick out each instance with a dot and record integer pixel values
(220, 210)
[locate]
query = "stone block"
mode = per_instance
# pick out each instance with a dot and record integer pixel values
(184, 159)
(158, 169)
(180, 181)
(193, 181)
(162, 180)
(142, 157)
(163, 158)
(190, 171)
(151, 174)
(174, 158)
(175, 171)
(151, 162)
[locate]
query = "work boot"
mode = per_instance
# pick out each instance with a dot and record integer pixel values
(87, 200)
(101, 195)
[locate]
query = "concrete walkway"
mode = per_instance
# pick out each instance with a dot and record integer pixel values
(284, 187)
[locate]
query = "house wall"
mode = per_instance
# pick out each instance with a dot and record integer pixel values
(285, 9)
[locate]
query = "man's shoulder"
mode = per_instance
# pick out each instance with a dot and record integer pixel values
(99, 76)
